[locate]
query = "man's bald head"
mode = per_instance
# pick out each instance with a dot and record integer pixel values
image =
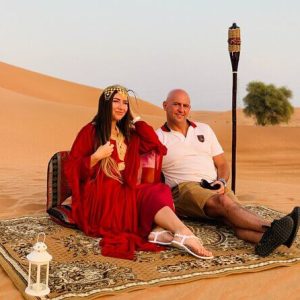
(177, 107)
(178, 94)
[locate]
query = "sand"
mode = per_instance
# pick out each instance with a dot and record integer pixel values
(41, 115)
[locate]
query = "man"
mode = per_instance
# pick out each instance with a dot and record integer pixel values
(194, 154)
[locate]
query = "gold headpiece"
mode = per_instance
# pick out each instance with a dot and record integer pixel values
(110, 89)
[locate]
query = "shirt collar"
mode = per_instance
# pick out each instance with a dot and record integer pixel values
(166, 128)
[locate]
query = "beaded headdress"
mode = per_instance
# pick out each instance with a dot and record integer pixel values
(114, 88)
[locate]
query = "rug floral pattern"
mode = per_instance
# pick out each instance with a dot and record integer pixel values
(78, 269)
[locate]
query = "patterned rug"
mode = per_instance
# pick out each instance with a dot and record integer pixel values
(79, 270)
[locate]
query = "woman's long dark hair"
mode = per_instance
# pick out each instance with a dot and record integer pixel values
(103, 121)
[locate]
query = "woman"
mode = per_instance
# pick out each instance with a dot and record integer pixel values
(107, 201)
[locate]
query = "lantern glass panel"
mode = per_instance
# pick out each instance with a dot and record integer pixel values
(38, 280)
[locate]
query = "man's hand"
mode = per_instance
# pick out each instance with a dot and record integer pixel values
(221, 190)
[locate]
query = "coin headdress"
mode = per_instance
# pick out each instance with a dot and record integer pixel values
(114, 88)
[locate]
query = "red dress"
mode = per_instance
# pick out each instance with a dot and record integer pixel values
(122, 214)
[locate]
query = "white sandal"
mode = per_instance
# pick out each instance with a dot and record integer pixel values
(182, 246)
(157, 234)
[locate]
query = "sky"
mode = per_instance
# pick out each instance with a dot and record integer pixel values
(153, 46)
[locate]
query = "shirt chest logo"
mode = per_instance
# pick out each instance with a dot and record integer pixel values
(201, 138)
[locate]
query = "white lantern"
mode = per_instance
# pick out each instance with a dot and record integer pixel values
(39, 260)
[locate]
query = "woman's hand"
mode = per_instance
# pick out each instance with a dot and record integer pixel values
(102, 152)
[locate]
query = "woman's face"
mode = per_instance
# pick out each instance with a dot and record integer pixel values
(119, 106)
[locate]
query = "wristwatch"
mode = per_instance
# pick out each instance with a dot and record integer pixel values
(223, 181)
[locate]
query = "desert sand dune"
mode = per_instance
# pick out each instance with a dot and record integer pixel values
(41, 115)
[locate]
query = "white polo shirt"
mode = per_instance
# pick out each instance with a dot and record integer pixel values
(190, 157)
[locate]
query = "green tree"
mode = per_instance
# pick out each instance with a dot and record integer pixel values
(268, 104)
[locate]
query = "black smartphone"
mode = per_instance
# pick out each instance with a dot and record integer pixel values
(207, 185)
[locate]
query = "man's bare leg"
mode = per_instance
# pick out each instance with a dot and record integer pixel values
(247, 225)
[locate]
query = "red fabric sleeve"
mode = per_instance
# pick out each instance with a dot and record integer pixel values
(80, 155)
(77, 168)
(148, 139)
(149, 142)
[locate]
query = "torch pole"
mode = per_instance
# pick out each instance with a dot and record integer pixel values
(233, 142)
(234, 43)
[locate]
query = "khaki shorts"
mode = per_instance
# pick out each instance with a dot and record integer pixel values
(190, 198)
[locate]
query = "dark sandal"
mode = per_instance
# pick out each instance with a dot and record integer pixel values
(295, 215)
(278, 234)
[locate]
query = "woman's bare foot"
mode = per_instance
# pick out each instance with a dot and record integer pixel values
(160, 236)
(187, 241)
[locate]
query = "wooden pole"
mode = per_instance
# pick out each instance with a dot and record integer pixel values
(233, 141)
(234, 43)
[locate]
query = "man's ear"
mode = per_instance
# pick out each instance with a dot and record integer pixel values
(164, 105)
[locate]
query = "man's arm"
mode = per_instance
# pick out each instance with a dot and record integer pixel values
(222, 170)
(222, 166)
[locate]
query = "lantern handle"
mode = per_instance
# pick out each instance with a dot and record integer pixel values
(38, 237)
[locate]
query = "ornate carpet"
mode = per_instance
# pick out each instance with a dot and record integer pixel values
(78, 269)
